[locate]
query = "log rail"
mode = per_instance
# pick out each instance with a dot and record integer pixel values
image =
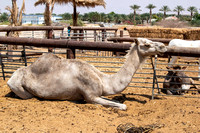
(119, 47)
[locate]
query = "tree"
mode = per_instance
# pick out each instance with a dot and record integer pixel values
(102, 17)
(66, 16)
(16, 16)
(111, 17)
(49, 6)
(150, 7)
(165, 9)
(192, 10)
(4, 17)
(124, 17)
(117, 18)
(15, 19)
(178, 9)
(94, 16)
(135, 8)
(86, 17)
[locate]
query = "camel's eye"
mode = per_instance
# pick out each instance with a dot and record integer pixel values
(147, 45)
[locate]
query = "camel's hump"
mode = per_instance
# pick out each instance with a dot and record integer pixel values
(44, 63)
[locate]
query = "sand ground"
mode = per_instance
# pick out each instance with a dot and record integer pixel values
(36, 115)
(175, 114)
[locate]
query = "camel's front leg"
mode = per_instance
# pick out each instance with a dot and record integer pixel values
(15, 85)
(20, 91)
(108, 103)
(173, 61)
(92, 96)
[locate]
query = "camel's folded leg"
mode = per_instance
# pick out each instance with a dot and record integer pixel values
(173, 61)
(21, 92)
(15, 84)
(17, 88)
(107, 103)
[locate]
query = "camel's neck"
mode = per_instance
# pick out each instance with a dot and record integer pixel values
(123, 77)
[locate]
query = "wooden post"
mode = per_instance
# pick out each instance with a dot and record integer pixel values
(115, 33)
(121, 34)
(9, 47)
(50, 36)
(103, 35)
(24, 55)
(2, 67)
(95, 35)
(81, 35)
(71, 53)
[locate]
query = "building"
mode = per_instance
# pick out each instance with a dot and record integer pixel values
(38, 19)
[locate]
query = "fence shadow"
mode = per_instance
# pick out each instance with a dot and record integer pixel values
(124, 97)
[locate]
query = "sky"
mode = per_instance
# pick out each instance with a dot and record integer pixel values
(117, 6)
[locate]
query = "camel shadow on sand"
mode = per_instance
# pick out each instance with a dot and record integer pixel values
(126, 97)
(120, 99)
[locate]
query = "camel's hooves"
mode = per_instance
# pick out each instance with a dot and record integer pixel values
(123, 107)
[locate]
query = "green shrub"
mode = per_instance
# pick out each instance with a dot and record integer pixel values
(195, 22)
(5, 23)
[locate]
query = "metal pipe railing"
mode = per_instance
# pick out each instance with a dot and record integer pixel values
(180, 51)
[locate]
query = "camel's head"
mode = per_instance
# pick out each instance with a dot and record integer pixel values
(147, 47)
(176, 79)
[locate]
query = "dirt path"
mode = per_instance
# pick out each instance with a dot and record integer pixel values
(35, 115)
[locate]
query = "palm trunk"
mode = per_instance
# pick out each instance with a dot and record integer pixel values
(150, 16)
(164, 15)
(74, 15)
(191, 15)
(134, 16)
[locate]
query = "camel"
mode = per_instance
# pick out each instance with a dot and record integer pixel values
(186, 44)
(52, 77)
(177, 82)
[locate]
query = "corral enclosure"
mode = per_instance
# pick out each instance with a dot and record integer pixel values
(174, 114)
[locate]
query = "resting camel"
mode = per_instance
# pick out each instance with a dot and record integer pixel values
(177, 82)
(51, 77)
(186, 44)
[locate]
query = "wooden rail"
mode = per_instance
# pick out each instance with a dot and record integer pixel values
(119, 47)
(48, 29)
(131, 39)
(30, 28)
(95, 29)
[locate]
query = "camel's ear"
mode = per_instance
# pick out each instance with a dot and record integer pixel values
(136, 41)
(147, 45)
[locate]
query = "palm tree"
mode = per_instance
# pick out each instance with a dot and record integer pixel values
(16, 16)
(15, 19)
(102, 17)
(165, 9)
(135, 8)
(77, 3)
(49, 6)
(192, 9)
(178, 9)
(150, 7)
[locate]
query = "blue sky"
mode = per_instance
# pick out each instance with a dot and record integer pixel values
(118, 6)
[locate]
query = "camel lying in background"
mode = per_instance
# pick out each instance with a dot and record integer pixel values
(51, 77)
(186, 44)
(177, 82)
